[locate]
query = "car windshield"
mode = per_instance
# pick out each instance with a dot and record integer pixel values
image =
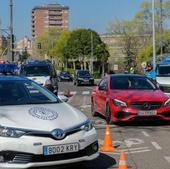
(24, 92)
(83, 73)
(36, 70)
(64, 74)
(140, 83)
(163, 70)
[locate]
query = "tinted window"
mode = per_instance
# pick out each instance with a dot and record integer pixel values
(83, 73)
(24, 92)
(131, 83)
(163, 70)
(36, 70)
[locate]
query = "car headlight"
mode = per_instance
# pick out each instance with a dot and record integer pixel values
(118, 102)
(167, 103)
(10, 132)
(87, 126)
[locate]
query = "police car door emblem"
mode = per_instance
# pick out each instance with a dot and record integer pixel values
(43, 113)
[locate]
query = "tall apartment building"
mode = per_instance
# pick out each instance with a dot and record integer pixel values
(48, 16)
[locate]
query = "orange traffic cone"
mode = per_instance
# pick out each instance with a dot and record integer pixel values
(122, 161)
(107, 146)
(68, 93)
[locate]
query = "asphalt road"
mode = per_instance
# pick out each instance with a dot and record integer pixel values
(147, 145)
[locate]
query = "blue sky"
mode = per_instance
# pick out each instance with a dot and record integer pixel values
(94, 14)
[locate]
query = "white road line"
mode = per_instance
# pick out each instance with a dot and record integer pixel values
(156, 145)
(85, 93)
(85, 106)
(73, 92)
(145, 134)
(133, 149)
(132, 152)
(167, 158)
(60, 93)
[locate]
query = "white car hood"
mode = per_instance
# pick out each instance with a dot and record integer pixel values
(163, 80)
(40, 79)
(41, 117)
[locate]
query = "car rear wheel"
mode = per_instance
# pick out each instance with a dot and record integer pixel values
(93, 112)
(108, 114)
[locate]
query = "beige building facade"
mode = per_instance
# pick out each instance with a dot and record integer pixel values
(49, 16)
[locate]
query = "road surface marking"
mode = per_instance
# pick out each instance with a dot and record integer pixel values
(156, 145)
(130, 152)
(73, 92)
(145, 133)
(60, 93)
(167, 158)
(133, 149)
(85, 93)
(85, 106)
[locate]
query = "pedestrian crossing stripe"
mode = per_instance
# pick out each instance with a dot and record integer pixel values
(75, 92)
(85, 93)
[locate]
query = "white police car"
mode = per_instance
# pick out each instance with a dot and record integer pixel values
(38, 129)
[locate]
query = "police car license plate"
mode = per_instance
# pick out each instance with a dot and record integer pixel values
(59, 149)
(147, 113)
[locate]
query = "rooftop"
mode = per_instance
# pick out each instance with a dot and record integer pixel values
(51, 6)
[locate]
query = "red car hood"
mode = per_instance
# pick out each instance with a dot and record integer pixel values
(139, 95)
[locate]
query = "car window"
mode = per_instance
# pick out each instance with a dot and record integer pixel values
(131, 83)
(103, 85)
(24, 92)
(36, 70)
(83, 73)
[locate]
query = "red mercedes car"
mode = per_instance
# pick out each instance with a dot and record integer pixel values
(126, 97)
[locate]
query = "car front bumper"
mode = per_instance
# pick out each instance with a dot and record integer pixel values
(27, 151)
(128, 114)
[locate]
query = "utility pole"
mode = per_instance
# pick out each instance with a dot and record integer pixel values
(161, 26)
(153, 33)
(11, 32)
(91, 57)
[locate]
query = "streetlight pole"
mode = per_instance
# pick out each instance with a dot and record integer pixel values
(153, 33)
(161, 25)
(11, 32)
(91, 57)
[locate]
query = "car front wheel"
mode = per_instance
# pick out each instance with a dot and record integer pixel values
(108, 114)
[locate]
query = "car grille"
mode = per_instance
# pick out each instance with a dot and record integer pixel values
(146, 105)
(24, 158)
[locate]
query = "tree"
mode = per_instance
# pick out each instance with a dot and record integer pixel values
(79, 46)
(129, 41)
(46, 41)
(24, 56)
(58, 48)
(144, 16)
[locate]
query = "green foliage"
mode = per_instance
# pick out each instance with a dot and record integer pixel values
(59, 46)
(79, 45)
(24, 56)
(47, 40)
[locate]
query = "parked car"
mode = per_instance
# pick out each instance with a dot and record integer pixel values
(38, 129)
(42, 72)
(65, 76)
(126, 97)
(83, 77)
